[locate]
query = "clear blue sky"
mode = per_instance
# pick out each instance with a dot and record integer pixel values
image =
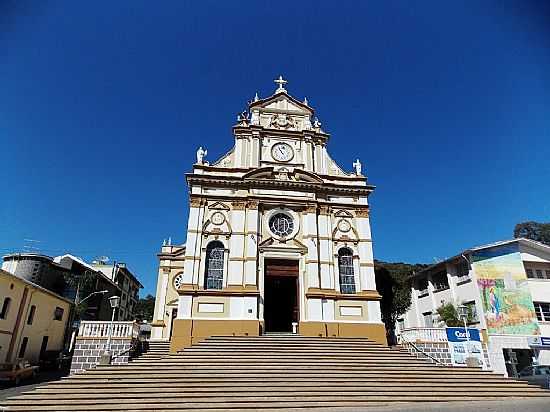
(104, 103)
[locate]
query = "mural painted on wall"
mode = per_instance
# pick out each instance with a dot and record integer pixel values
(507, 302)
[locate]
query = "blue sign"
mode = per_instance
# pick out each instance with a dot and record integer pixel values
(544, 341)
(459, 335)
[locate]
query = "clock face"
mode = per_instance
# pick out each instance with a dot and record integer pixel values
(282, 152)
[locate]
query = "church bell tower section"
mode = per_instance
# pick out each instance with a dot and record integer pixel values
(278, 237)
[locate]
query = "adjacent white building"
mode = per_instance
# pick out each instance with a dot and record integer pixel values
(507, 285)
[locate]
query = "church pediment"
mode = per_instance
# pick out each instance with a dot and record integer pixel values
(287, 245)
(282, 102)
(261, 173)
(218, 206)
(297, 175)
(281, 111)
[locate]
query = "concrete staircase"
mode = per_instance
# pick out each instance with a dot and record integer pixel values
(155, 351)
(269, 372)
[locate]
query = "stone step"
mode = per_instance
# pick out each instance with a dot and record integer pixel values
(265, 376)
(88, 397)
(270, 356)
(291, 342)
(280, 385)
(187, 402)
(335, 367)
(273, 361)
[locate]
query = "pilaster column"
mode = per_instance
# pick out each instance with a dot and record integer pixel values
(194, 239)
(236, 244)
(364, 248)
(325, 255)
(251, 243)
(309, 222)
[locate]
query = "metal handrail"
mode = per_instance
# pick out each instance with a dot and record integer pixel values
(437, 361)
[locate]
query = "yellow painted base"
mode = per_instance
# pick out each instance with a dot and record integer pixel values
(187, 332)
(375, 332)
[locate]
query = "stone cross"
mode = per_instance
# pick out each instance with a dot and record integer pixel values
(281, 82)
(357, 166)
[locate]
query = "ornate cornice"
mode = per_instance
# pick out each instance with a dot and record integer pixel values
(238, 205)
(333, 294)
(195, 201)
(363, 212)
(238, 182)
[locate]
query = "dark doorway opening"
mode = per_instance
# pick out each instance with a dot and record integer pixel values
(516, 360)
(174, 316)
(43, 346)
(281, 295)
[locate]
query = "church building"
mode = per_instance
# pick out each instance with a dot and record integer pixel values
(278, 237)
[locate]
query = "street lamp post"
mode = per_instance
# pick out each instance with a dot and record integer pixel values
(463, 314)
(107, 356)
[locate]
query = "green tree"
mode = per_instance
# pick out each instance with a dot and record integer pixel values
(534, 231)
(145, 308)
(393, 282)
(448, 313)
(83, 284)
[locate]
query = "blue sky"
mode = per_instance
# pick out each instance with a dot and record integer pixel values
(103, 105)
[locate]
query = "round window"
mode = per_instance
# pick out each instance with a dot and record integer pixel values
(178, 281)
(281, 224)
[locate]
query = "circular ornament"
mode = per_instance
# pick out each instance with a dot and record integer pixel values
(281, 224)
(217, 218)
(178, 281)
(282, 152)
(344, 226)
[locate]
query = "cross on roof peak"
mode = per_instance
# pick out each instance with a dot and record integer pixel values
(281, 82)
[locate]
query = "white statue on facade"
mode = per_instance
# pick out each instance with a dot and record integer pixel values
(201, 153)
(357, 166)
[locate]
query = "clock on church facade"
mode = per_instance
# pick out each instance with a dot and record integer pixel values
(278, 237)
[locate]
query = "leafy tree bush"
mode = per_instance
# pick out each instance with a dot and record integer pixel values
(145, 308)
(448, 313)
(534, 231)
(393, 283)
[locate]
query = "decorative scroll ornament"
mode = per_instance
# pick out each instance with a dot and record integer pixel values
(282, 121)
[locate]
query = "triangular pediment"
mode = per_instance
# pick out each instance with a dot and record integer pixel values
(282, 102)
(343, 213)
(218, 206)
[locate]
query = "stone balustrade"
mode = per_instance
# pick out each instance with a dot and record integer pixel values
(100, 329)
(423, 335)
(93, 341)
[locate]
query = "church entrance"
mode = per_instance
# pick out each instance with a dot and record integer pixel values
(280, 295)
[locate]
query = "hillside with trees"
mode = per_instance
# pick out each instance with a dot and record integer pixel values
(534, 231)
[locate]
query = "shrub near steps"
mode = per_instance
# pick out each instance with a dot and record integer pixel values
(269, 372)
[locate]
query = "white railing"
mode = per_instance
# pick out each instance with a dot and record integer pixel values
(100, 329)
(424, 335)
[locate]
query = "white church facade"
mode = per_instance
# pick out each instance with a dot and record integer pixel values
(278, 238)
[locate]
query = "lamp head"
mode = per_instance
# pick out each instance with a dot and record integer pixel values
(462, 311)
(114, 301)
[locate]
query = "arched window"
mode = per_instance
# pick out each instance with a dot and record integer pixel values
(31, 315)
(213, 277)
(5, 308)
(345, 267)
